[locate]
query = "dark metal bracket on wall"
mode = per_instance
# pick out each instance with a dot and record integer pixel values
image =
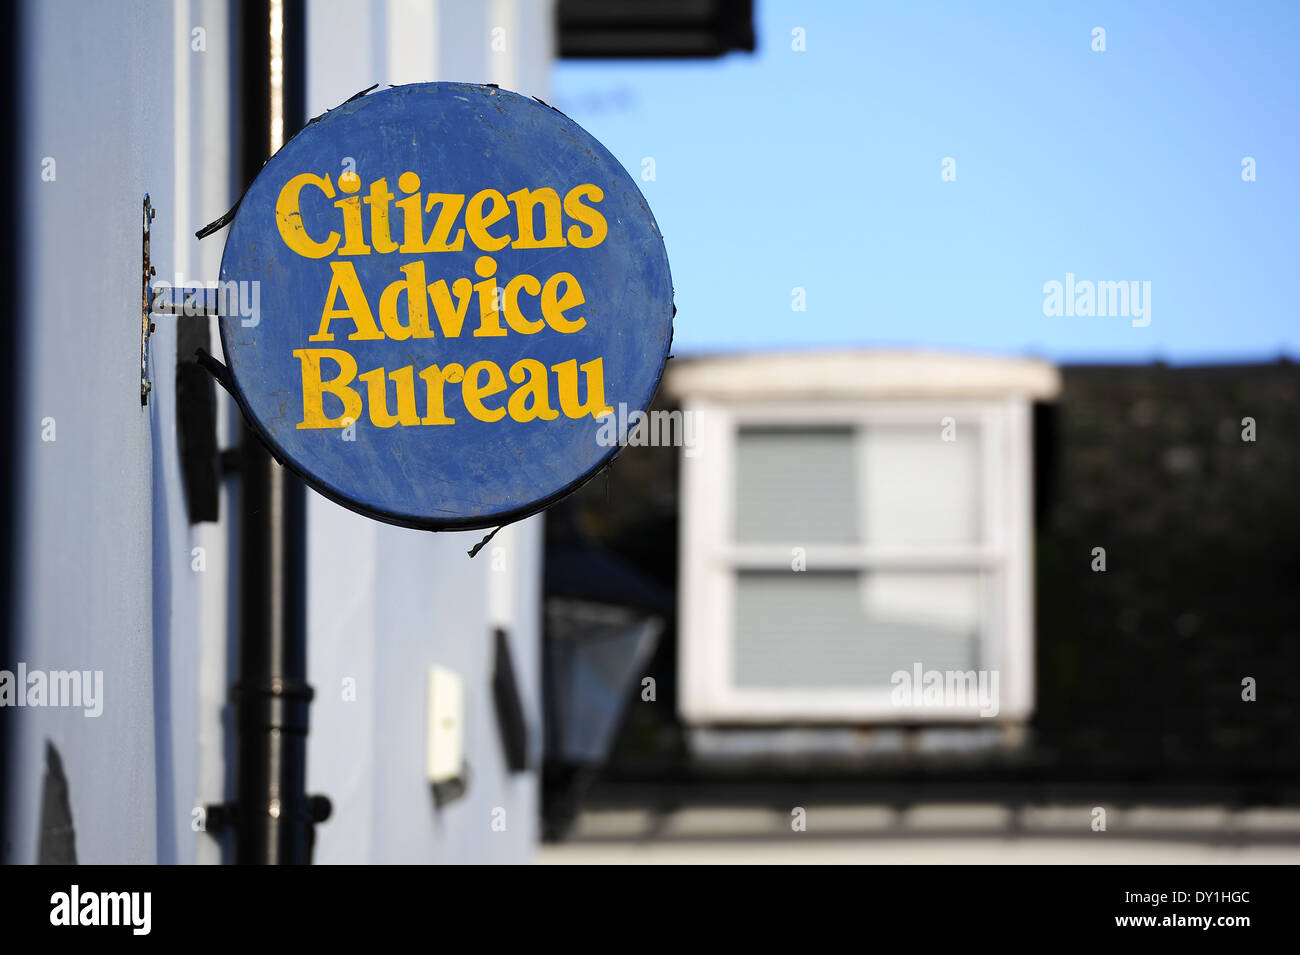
(511, 723)
(196, 402)
(146, 302)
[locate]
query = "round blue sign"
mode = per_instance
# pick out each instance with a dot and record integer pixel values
(455, 295)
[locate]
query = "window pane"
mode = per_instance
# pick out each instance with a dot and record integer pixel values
(795, 485)
(919, 489)
(852, 630)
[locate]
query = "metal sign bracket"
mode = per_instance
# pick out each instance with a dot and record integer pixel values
(188, 300)
(146, 297)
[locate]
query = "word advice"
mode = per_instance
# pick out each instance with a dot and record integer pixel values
(490, 221)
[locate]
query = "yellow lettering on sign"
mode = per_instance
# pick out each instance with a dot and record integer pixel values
(554, 305)
(381, 233)
(482, 211)
(406, 413)
(477, 220)
(451, 318)
(510, 301)
(417, 305)
(567, 373)
(489, 321)
(475, 391)
(288, 217)
(434, 378)
(587, 215)
(480, 381)
(353, 244)
(449, 207)
(314, 388)
(530, 373)
(345, 281)
(526, 200)
(411, 307)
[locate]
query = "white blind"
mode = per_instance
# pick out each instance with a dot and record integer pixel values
(852, 630)
(795, 486)
(888, 485)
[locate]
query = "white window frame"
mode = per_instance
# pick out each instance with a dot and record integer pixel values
(710, 557)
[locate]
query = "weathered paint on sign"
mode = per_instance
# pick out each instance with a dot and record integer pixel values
(456, 286)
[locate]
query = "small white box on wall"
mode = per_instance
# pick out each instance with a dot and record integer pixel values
(445, 734)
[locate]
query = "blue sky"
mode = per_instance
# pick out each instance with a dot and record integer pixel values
(822, 170)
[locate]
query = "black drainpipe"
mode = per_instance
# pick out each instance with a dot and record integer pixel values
(274, 817)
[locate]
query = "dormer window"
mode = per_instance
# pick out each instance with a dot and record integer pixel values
(851, 517)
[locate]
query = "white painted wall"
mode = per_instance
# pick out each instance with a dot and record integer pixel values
(117, 97)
